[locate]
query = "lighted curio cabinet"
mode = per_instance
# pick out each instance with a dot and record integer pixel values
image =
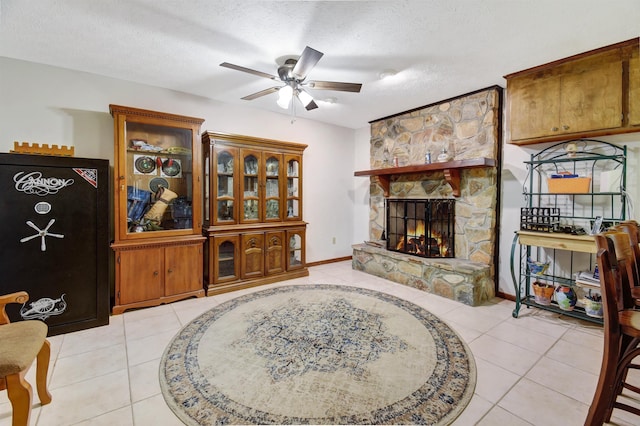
(586, 95)
(158, 242)
(252, 211)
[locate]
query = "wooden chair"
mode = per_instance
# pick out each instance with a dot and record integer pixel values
(621, 333)
(22, 342)
(630, 227)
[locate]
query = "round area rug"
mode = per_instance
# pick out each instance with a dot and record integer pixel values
(317, 354)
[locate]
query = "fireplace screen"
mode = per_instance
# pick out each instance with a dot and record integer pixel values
(421, 227)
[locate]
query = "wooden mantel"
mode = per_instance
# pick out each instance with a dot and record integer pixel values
(451, 170)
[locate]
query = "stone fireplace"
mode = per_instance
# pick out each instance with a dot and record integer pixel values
(468, 130)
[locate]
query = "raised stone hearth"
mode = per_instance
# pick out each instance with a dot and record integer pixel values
(462, 280)
(467, 128)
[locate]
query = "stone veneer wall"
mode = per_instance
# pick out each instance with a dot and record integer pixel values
(466, 127)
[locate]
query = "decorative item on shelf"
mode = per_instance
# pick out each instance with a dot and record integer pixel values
(444, 156)
(164, 196)
(566, 297)
(143, 164)
(427, 158)
(571, 148)
(542, 219)
(593, 305)
(171, 168)
(568, 183)
(537, 268)
(156, 183)
(542, 293)
(44, 149)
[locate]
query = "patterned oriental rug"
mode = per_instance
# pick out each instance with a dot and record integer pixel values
(317, 354)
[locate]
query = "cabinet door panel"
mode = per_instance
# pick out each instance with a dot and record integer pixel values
(295, 249)
(591, 95)
(252, 255)
(534, 106)
(634, 88)
(274, 170)
(183, 269)
(225, 186)
(293, 187)
(140, 275)
(275, 252)
(226, 265)
(251, 186)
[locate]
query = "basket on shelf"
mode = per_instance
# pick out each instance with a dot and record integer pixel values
(542, 293)
(537, 268)
(569, 185)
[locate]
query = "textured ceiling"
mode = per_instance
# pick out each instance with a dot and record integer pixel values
(440, 48)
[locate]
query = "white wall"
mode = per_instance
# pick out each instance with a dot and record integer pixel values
(56, 106)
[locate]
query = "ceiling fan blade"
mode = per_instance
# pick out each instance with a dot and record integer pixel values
(311, 105)
(248, 70)
(334, 85)
(306, 62)
(261, 93)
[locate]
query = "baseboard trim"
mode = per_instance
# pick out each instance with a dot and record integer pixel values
(325, 262)
(506, 296)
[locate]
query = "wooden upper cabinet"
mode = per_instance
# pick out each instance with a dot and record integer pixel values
(634, 88)
(535, 105)
(591, 94)
(581, 96)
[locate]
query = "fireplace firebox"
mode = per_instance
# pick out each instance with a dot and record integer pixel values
(424, 227)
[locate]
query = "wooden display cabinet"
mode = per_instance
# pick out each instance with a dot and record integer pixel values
(158, 208)
(253, 208)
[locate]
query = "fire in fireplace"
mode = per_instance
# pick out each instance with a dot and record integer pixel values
(421, 227)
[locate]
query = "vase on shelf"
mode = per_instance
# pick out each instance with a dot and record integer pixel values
(542, 293)
(444, 156)
(593, 305)
(566, 297)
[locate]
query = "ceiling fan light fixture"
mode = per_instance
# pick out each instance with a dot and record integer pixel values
(284, 96)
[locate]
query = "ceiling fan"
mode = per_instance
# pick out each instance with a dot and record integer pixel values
(293, 73)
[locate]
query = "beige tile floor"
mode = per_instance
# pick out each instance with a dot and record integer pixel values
(538, 369)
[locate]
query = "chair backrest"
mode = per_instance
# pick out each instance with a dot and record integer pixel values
(5, 299)
(610, 283)
(630, 227)
(626, 265)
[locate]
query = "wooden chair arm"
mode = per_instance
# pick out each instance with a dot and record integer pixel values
(17, 297)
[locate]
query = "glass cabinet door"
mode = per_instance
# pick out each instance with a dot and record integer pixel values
(227, 262)
(293, 187)
(225, 190)
(272, 186)
(295, 249)
(250, 184)
(158, 174)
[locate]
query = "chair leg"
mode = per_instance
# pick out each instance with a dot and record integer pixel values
(20, 396)
(606, 383)
(623, 367)
(42, 369)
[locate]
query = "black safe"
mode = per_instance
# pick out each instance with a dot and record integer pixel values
(54, 239)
